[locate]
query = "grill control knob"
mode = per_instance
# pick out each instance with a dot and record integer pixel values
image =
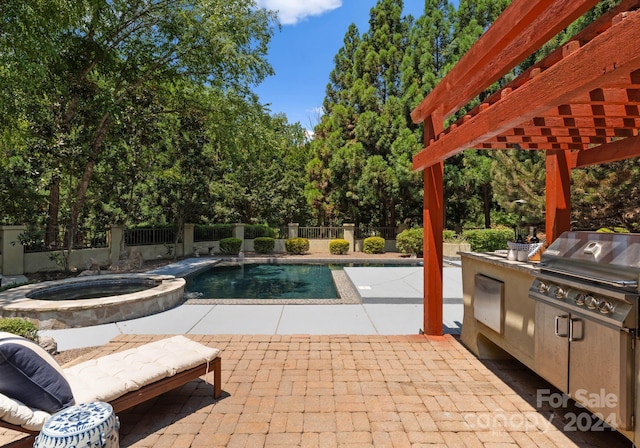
(543, 287)
(560, 293)
(606, 307)
(591, 302)
(579, 299)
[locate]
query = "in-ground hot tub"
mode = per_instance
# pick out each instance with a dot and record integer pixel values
(92, 300)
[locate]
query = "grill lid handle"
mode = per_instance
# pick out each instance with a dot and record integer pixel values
(605, 281)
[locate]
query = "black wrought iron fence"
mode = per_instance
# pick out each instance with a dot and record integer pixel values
(388, 233)
(321, 233)
(150, 236)
(212, 233)
(283, 233)
(40, 240)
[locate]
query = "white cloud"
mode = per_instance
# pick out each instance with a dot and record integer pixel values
(291, 12)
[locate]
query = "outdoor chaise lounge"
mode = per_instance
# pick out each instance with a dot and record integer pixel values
(123, 379)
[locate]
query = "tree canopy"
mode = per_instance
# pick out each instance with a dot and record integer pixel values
(143, 113)
(136, 111)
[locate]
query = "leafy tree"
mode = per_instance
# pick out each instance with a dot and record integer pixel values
(91, 57)
(468, 190)
(257, 175)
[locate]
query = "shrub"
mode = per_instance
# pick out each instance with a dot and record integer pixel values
(339, 247)
(373, 245)
(411, 241)
(488, 240)
(253, 231)
(297, 246)
(448, 235)
(264, 244)
(19, 326)
(230, 246)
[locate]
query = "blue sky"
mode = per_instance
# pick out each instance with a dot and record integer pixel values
(302, 52)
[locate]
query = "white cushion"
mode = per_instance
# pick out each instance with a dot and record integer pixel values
(16, 413)
(109, 377)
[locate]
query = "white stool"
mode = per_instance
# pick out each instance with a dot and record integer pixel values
(88, 424)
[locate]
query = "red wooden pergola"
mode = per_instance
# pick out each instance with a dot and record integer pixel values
(581, 104)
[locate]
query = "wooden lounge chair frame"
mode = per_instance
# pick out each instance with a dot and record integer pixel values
(141, 395)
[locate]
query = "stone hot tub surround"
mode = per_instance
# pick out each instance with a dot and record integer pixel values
(160, 293)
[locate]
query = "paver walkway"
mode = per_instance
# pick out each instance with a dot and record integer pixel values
(348, 391)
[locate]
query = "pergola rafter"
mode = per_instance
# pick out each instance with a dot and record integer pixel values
(581, 104)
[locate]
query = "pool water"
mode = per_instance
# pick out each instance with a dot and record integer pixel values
(265, 281)
(91, 290)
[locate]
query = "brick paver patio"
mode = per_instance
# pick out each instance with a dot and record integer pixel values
(348, 391)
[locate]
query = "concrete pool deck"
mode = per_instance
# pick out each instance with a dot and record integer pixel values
(395, 309)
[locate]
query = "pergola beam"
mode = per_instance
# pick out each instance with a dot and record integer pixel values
(611, 152)
(608, 59)
(520, 30)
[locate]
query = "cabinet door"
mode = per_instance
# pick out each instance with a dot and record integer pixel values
(601, 371)
(551, 345)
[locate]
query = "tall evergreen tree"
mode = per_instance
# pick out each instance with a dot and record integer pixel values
(467, 180)
(361, 169)
(520, 175)
(427, 54)
(607, 196)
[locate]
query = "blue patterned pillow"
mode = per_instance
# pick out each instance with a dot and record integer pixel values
(30, 375)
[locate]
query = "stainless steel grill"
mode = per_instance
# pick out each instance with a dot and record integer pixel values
(586, 296)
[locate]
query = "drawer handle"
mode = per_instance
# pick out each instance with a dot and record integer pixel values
(556, 325)
(571, 335)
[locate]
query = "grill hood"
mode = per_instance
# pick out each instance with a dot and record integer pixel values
(608, 258)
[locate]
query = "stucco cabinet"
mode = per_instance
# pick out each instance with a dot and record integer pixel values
(498, 314)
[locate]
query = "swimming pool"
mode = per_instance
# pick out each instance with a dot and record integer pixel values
(264, 281)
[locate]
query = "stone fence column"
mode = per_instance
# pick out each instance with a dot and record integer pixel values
(238, 232)
(292, 230)
(350, 235)
(11, 251)
(187, 239)
(115, 242)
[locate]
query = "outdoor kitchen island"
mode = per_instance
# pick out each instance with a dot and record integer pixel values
(572, 319)
(503, 316)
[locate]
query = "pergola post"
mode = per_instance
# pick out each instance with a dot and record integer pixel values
(558, 198)
(433, 219)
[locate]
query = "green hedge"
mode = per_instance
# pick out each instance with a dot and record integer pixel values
(488, 240)
(373, 245)
(253, 231)
(230, 246)
(264, 244)
(297, 246)
(19, 326)
(481, 240)
(449, 235)
(339, 247)
(411, 241)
